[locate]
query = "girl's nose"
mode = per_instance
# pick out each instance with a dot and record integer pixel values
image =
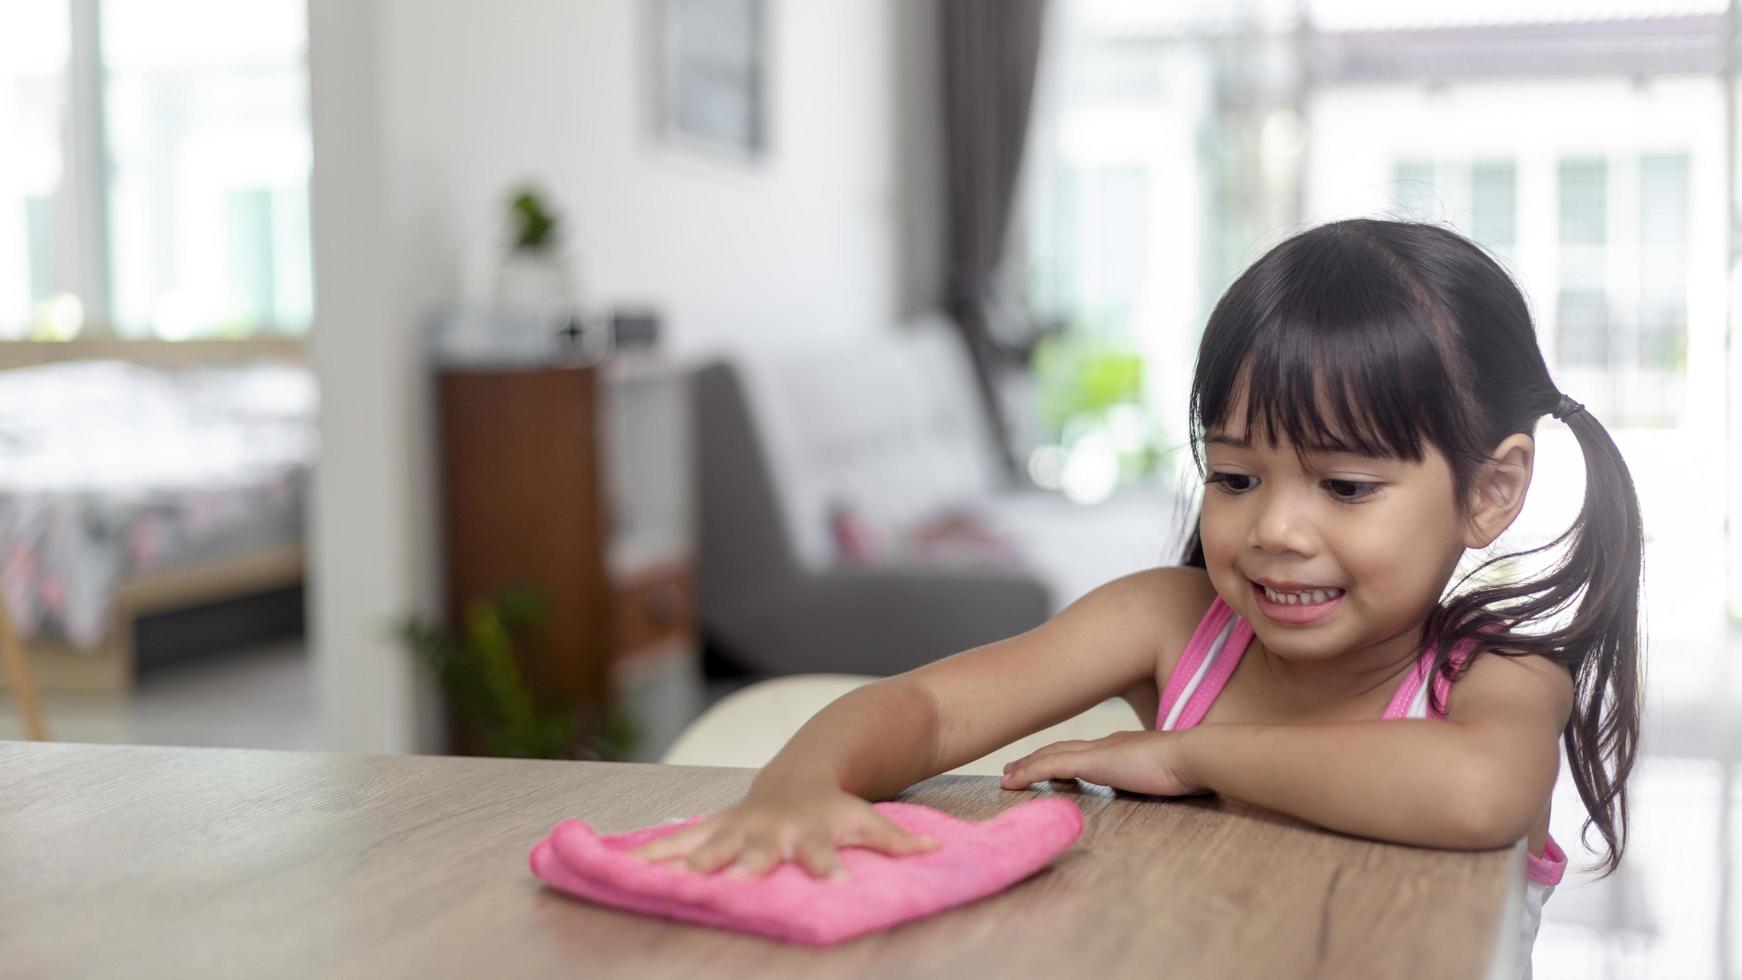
(1283, 525)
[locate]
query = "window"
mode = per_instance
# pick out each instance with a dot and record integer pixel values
(1626, 319)
(1494, 206)
(1423, 190)
(1583, 325)
(1413, 194)
(34, 268)
(159, 185)
(1663, 262)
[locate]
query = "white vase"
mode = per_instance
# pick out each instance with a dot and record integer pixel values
(536, 282)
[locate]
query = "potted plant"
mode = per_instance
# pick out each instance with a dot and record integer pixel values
(534, 275)
(491, 710)
(1091, 406)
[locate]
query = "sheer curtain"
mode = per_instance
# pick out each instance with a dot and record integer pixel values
(990, 49)
(1591, 148)
(1164, 159)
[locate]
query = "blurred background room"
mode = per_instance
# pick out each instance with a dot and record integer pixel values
(531, 377)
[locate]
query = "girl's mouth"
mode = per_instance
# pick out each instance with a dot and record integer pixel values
(1296, 608)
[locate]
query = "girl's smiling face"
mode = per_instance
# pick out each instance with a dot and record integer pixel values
(1372, 541)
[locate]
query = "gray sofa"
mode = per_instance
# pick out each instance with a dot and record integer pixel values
(890, 428)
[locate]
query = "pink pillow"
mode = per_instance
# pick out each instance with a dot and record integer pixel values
(856, 540)
(972, 860)
(960, 537)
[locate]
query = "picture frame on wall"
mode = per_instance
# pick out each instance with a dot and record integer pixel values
(711, 68)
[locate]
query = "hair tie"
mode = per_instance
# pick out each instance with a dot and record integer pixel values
(1566, 407)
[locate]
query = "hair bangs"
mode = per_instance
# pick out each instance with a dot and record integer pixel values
(1341, 359)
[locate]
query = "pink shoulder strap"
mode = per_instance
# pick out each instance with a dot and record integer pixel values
(1204, 666)
(1410, 700)
(1221, 639)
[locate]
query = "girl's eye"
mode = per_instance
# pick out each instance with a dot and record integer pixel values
(1345, 491)
(1350, 490)
(1229, 482)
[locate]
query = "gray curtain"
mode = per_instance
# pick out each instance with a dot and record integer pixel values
(990, 49)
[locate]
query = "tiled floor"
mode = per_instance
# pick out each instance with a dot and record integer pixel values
(1671, 912)
(1663, 913)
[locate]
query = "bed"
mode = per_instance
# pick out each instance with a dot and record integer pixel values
(140, 478)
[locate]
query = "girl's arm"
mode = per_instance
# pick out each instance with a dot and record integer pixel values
(1476, 779)
(881, 738)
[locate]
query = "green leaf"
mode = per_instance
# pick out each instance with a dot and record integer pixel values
(1079, 376)
(481, 679)
(535, 226)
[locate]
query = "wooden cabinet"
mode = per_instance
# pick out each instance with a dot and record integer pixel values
(576, 482)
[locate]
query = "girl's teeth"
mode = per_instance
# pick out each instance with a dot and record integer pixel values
(1302, 598)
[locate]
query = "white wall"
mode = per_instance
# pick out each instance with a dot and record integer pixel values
(483, 95)
(424, 113)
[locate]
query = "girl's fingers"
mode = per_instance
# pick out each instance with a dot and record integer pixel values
(885, 835)
(706, 848)
(1047, 751)
(1056, 766)
(820, 858)
(716, 853)
(757, 859)
(672, 845)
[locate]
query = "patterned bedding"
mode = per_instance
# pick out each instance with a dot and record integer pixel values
(109, 468)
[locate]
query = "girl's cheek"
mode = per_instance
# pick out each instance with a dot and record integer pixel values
(1220, 547)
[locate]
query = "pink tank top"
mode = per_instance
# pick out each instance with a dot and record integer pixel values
(1215, 650)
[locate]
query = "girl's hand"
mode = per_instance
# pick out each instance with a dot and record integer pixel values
(1139, 762)
(803, 825)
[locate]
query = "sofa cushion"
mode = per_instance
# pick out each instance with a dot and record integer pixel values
(1073, 547)
(888, 426)
(960, 535)
(856, 541)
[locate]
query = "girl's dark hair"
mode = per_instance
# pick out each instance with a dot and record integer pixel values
(1374, 337)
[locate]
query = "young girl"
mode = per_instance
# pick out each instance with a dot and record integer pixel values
(1364, 402)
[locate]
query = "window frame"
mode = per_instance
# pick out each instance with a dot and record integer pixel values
(85, 196)
(84, 150)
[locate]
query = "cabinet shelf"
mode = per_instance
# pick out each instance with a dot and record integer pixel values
(575, 482)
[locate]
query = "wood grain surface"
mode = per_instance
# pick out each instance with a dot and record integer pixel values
(142, 861)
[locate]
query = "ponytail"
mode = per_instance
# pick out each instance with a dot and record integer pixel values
(1600, 646)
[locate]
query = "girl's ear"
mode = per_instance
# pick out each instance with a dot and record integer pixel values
(1497, 492)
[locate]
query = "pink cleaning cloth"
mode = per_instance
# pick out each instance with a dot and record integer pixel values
(972, 860)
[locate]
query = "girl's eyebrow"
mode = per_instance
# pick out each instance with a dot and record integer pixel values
(1225, 440)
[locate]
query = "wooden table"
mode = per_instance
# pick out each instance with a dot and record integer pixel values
(144, 861)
